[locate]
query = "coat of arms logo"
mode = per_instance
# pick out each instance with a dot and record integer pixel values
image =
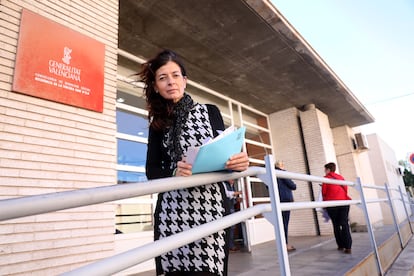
(66, 55)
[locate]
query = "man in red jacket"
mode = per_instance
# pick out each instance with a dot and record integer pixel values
(338, 214)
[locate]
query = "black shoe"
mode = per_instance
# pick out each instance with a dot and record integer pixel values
(291, 248)
(347, 251)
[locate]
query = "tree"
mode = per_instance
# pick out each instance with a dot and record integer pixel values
(408, 178)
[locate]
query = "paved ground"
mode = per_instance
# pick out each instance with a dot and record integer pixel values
(315, 256)
(404, 265)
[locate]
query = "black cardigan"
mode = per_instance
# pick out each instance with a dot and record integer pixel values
(158, 161)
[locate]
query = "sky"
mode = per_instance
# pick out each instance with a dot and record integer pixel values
(369, 44)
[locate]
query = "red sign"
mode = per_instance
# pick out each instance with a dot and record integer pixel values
(59, 64)
(412, 158)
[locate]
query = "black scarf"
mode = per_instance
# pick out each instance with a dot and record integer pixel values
(180, 114)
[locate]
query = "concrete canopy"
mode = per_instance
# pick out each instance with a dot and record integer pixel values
(243, 49)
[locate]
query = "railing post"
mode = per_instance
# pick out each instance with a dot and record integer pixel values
(270, 180)
(405, 208)
(358, 186)
(411, 203)
(411, 200)
(394, 217)
(246, 203)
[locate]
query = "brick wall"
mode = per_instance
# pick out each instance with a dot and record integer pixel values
(288, 146)
(49, 147)
(320, 150)
(322, 144)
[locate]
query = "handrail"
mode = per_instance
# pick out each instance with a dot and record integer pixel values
(132, 257)
(44, 203)
(374, 187)
(50, 202)
(312, 178)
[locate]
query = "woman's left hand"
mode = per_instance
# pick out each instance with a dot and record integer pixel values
(238, 162)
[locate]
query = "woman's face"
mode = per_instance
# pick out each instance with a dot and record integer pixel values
(169, 81)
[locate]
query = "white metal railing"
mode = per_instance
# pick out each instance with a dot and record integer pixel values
(39, 204)
(138, 255)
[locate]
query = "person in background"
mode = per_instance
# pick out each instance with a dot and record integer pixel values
(176, 123)
(338, 214)
(285, 186)
(233, 197)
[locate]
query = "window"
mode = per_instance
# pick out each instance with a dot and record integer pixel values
(134, 214)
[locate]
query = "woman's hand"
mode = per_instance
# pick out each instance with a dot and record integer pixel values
(183, 169)
(238, 162)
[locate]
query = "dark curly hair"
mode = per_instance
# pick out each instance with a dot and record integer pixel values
(159, 109)
(331, 166)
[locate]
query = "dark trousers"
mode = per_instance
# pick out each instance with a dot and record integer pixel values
(286, 217)
(339, 217)
(178, 273)
(231, 232)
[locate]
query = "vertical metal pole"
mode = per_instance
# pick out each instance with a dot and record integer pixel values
(246, 203)
(277, 214)
(247, 191)
(397, 227)
(369, 225)
(405, 209)
(411, 200)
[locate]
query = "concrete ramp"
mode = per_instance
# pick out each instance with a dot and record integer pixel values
(318, 255)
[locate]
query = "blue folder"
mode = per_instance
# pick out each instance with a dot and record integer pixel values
(213, 156)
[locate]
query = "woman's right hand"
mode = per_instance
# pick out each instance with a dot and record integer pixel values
(183, 169)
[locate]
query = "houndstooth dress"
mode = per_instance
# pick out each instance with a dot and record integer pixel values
(183, 209)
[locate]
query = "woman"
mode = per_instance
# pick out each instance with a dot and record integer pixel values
(338, 214)
(177, 123)
(285, 186)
